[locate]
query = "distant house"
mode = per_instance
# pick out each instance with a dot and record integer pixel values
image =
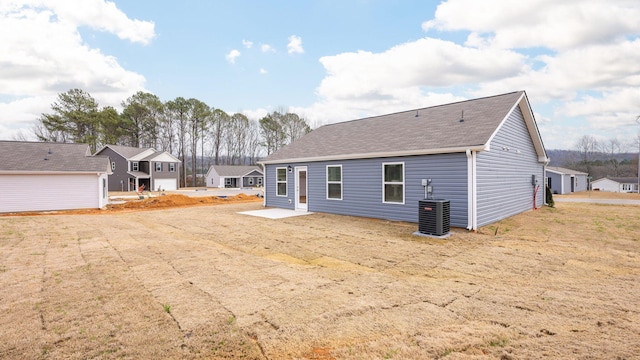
(485, 156)
(565, 181)
(133, 167)
(37, 176)
(628, 184)
(234, 176)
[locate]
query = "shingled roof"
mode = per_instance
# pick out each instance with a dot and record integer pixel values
(126, 152)
(47, 157)
(566, 171)
(235, 170)
(431, 130)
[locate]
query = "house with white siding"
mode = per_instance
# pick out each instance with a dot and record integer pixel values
(234, 176)
(485, 156)
(44, 176)
(565, 181)
(133, 167)
(616, 184)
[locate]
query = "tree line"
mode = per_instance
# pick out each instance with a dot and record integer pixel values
(600, 158)
(186, 128)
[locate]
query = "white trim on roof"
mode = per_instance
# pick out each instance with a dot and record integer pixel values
(162, 157)
(529, 121)
(31, 172)
(140, 156)
(376, 155)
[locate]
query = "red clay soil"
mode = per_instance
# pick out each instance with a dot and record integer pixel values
(153, 203)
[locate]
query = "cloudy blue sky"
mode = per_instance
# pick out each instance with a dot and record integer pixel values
(330, 60)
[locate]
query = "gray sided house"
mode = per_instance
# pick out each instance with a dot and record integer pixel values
(565, 181)
(37, 176)
(133, 167)
(234, 176)
(485, 156)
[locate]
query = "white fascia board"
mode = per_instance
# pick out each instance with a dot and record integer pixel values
(4, 172)
(376, 155)
(554, 171)
(530, 122)
(164, 157)
(142, 155)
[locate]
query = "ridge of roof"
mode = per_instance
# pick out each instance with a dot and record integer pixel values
(424, 108)
(126, 152)
(49, 157)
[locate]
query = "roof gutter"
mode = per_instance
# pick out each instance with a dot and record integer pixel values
(375, 155)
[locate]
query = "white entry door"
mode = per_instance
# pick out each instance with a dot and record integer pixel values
(301, 188)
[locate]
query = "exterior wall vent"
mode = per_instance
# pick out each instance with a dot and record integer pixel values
(434, 217)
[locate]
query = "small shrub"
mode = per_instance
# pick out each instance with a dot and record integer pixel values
(549, 197)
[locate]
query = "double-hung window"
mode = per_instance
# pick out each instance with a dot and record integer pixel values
(172, 167)
(134, 166)
(158, 166)
(113, 165)
(281, 181)
(393, 183)
(334, 182)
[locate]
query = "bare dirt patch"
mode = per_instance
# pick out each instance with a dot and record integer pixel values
(155, 202)
(207, 282)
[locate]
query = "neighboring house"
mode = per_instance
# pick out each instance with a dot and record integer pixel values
(37, 176)
(629, 184)
(565, 181)
(485, 156)
(133, 167)
(234, 176)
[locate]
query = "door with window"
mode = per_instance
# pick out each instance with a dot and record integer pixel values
(301, 188)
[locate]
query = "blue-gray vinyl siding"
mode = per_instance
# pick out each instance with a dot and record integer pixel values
(503, 175)
(362, 187)
(555, 182)
(581, 182)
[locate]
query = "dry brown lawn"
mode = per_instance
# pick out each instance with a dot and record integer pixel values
(207, 282)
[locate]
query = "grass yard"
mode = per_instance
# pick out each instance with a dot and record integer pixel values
(207, 282)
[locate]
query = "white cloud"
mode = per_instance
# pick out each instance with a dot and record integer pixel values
(579, 62)
(263, 71)
(295, 45)
(45, 55)
(267, 48)
(538, 23)
(232, 56)
(246, 43)
(97, 14)
(423, 63)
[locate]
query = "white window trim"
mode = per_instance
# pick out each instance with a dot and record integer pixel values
(385, 183)
(135, 166)
(286, 187)
(259, 181)
(113, 166)
(156, 165)
(250, 180)
(172, 167)
(334, 182)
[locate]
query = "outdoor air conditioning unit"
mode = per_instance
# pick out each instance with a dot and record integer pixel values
(434, 217)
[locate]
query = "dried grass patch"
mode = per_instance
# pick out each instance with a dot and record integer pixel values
(206, 282)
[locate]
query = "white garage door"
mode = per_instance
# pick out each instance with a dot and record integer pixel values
(165, 184)
(35, 192)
